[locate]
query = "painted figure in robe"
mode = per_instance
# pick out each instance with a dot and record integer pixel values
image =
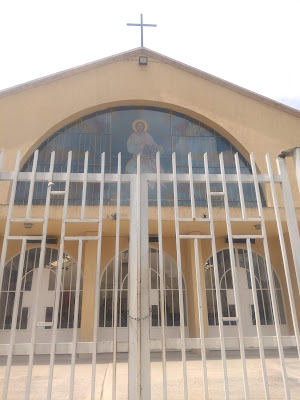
(140, 142)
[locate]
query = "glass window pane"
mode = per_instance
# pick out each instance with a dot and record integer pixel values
(52, 280)
(9, 310)
(71, 309)
(103, 279)
(169, 308)
(224, 306)
(110, 273)
(6, 276)
(154, 315)
(176, 308)
(65, 309)
(280, 307)
(208, 275)
(261, 307)
(24, 318)
(268, 309)
(124, 309)
(102, 304)
(48, 316)
(253, 314)
(3, 299)
(153, 279)
(263, 273)
(232, 313)
(210, 308)
(109, 308)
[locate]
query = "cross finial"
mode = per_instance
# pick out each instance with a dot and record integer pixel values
(142, 25)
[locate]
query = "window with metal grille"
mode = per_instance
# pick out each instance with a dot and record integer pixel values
(27, 295)
(226, 285)
(171, 292)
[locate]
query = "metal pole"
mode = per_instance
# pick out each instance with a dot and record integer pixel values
(115, 283)
(161, 277)
(291, 218)
(144, 291)
(270, 279)
(133, 362)
(142, 39)
(179, 272)
(234, 279)
(296, 157)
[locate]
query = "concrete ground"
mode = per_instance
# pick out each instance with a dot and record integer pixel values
(174, 375)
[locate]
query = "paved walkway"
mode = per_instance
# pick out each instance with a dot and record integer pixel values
(174, 373)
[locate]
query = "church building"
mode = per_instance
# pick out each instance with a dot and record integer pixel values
(147, 206)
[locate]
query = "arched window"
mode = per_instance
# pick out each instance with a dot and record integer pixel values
(115, 130)
(171, 293)
(47, 290)
(226, 288)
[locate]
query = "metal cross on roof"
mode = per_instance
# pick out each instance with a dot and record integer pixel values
(142, 26)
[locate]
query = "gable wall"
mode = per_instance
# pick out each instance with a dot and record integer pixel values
(29, 116)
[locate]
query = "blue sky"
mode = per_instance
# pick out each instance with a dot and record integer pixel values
(254, 44)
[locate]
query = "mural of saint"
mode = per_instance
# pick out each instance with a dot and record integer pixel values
(140, 142)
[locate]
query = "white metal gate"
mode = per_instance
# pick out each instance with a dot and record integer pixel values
(140, 344)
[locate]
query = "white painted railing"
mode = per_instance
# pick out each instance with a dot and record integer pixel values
(140, 345)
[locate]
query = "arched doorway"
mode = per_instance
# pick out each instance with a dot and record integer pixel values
(171, 298)
(46, 299)
(245, 295)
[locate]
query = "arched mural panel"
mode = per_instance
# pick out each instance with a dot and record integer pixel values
(134, 130)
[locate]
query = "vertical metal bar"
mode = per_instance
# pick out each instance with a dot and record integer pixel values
(39, 277)
(115, 281)
(7, 297)
(70, 295)
(258, 324)
(105, 298)
(284, 254)
(138, 276)
(296, 157)
(97, 283)
(133, 359)
(217, 278)
(9, 215)
(291, 218)
(14, 320)
(240, 184)
(1, 159)
(58, 277)
(234, 279)
(144, 292)
(270, 278)
(120, 289)
(179, 272)
(84, 185)
(191, 185)
(161, 276)
(201, 321)
(75, 323)
(142, 26)
(62, 285)
(32, 181)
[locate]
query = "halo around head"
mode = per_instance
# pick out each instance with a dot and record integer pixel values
(137, 121)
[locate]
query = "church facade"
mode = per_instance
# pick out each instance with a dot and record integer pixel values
(112, 253)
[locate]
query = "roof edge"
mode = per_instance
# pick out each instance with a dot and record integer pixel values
(167, 60)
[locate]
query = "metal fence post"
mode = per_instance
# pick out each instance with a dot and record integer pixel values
(296, 157)
(290, 214)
